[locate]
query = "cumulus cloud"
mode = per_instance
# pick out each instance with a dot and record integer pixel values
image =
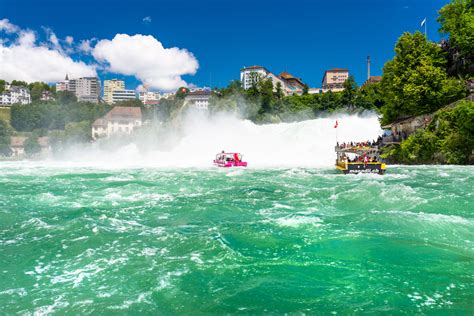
(144, 57)
(69, 40)
(7, 27)
(26, 60)
(146, 19)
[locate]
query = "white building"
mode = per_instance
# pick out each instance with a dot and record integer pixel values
(15, 95)
(149, 97)
(289, 84)
(198, 99)
(110, 86)
(120, 120)
(251, 75)
(123, 95)
(86, 89)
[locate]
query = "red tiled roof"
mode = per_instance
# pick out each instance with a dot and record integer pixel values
(127, 112)
(286, 75)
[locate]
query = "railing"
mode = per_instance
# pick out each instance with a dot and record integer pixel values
(452, 105)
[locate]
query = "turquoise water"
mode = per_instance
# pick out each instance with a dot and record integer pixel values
(77, 240)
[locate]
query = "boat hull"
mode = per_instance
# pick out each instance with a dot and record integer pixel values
(356, 168)
(230, 164)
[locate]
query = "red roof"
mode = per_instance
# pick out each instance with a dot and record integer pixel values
(124, 112)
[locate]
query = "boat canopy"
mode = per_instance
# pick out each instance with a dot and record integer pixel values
(358, 150)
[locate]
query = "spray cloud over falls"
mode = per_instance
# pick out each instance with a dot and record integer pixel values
(302, 144)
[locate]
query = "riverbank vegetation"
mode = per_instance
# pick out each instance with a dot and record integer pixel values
(448, 139)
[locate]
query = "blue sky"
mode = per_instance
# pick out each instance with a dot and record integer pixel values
(302, 37)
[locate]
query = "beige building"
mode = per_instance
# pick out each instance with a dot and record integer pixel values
(110, 86)
(334, 79)
(120, 120)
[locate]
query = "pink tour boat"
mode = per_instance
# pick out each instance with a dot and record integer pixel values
(227, 160)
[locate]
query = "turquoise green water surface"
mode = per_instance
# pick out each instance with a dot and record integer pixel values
(83, 240)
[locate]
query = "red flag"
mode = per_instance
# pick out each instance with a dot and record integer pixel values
(335, 125)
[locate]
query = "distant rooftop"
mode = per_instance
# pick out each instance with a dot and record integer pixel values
(131, 112)
(199, 92)
(253, 67)
(337, 70)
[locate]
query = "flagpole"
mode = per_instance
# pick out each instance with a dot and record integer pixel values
(426, 22)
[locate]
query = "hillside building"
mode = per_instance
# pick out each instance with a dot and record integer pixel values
(15, 95)
(120, 120)
(123, 95)
(334, 79)
(149, 97)
(86, 89)
(198, 99)
(110, 86)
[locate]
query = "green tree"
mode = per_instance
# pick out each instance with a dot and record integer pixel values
(131, 103)
(305, 89)
(372, 94)
(234, 88)
(279, 91)
(66, 97)
(78, 132)
(181, 92)
(350, 91)
(415, 80)
(36, 90)
(265, 88)
(2, 85)
(457, 21)
(5, 133)
(19, 83)
(32, 147)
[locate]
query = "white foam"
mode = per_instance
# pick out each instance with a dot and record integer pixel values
(302, 144)
(297, 220)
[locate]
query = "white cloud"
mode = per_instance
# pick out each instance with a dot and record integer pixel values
(53, 39)
(146, 19)
(26, 38)
(85, 46)
(7, 27)
(144, 57)
(25, 60)
(69, 40)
